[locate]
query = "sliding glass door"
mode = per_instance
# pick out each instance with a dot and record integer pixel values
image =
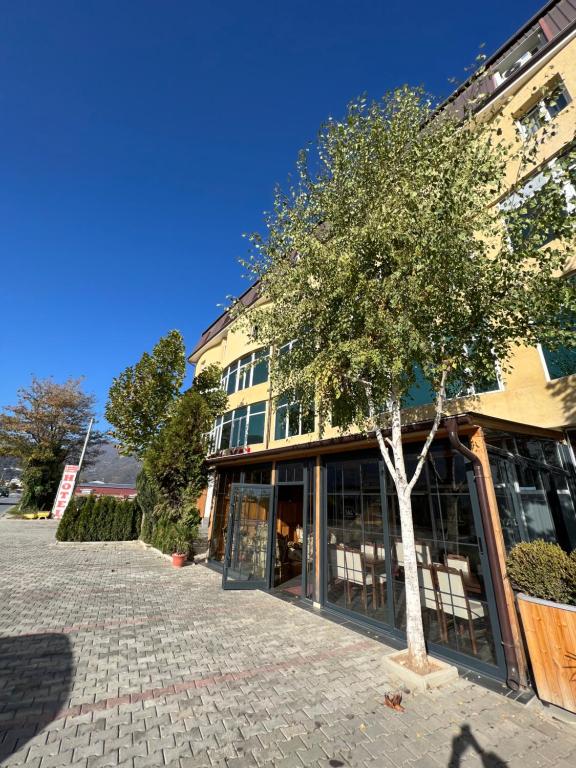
(247, 560)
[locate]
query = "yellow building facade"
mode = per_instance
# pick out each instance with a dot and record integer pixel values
(315, 515)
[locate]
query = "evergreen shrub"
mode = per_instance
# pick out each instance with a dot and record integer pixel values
(543, 570)
(100, 518)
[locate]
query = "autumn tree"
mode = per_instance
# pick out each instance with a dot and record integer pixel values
(142, 398)
(388, 259)
(46, 429)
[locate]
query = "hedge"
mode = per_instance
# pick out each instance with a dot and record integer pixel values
(100, 518)
(542, 569)
(166, 532)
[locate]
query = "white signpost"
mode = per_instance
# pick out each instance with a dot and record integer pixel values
(65, 490)
(68, 481)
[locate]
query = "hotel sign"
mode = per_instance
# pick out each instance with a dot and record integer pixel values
(65, 490)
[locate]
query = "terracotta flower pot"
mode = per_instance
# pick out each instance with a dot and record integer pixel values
(178, 560)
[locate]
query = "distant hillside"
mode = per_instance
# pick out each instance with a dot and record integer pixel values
(110, 467)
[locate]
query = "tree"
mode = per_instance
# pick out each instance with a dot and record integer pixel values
(174, 472)
(45, 429)
(175, 460)
(142, 397)
(387, 259)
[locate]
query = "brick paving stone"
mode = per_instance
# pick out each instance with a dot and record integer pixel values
(112, 658)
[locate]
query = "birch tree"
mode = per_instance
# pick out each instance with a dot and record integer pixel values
(391, 255)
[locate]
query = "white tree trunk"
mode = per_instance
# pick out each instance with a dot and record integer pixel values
(416, 643)
(414, 628)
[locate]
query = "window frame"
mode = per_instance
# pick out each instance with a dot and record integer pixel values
(234, 417)
(540, 347)
(287, 408)
(563, 168)
(242, 370)
(542, 108)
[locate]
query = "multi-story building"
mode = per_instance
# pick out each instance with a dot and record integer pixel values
(316, 516)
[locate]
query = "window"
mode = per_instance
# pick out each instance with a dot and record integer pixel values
(246, 372)
(520, 208)
(543, 111)
(562, 361)
(422, 393)
(239, 427)
(292, 418)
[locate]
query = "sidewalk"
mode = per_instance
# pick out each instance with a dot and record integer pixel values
(109, 656)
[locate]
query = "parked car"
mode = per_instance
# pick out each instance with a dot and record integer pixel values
(4, 490)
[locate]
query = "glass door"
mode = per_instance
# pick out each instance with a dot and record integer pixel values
(248, 540)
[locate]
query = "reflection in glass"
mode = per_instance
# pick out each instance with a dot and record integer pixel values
(452, 589)
(248, 546)
(356, 549)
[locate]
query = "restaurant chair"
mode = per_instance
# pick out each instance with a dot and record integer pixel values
(373, 551)
(351, 568)
(375, 560)
(429, 597)
(458, 563)
(423, 556)
(456, 603)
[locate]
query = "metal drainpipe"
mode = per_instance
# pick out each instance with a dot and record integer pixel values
(512, 674)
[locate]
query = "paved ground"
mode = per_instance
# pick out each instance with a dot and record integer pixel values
(108, 656)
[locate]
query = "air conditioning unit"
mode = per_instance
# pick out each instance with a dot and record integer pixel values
(517, 65)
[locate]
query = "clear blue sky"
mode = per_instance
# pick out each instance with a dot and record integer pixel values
(140, 139)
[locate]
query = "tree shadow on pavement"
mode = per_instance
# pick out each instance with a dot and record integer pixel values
(35, 682)
(465, 741)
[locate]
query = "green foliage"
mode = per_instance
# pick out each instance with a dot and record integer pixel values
(543, 570)
(100, 518)
(40, 479)
(388, 256)
(175, 460)
(147, 492)
(169, 532)
(174, 472)
(141, 399)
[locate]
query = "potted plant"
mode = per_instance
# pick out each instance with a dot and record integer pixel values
(180, 546)
(545, 579)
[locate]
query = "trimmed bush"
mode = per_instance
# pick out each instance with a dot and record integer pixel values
(543, 570)
(167, 531)
(100, 518)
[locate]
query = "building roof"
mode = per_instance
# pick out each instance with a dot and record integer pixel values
(555, 19)
(247, 298)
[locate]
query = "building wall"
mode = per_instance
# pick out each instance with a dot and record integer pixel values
(527, 395)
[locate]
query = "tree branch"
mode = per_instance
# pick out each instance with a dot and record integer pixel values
(440, 399)
(379, 436)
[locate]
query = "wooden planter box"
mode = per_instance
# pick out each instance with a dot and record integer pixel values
(550, 630)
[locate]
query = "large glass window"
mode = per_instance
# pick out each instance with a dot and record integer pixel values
(242, 426)
(520, 208)
(246, 372)
(292, 418)
(355, 538)
(535, 494)
(453, 591)
(422, 393)
(562, 361)
(365, 555)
